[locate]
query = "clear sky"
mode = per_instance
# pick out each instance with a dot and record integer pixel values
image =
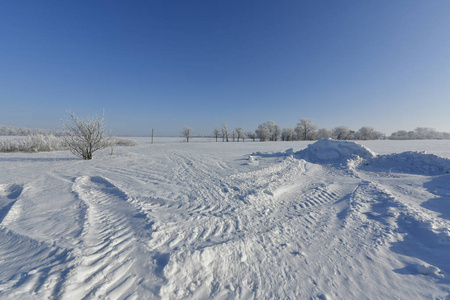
(163, 64)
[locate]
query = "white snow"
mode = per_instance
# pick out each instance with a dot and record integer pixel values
(200, 220)
(332, 151)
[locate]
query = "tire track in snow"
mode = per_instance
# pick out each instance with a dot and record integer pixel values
(110, 260)
(205, 212)
(41, 268)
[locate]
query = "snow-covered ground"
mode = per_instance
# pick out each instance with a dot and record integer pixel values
(249, 220)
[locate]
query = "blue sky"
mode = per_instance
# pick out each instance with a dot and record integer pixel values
(166, 64)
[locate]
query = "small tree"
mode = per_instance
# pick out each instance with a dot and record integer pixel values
(216, 133)
(187, 133)
(240, 134)
(84, 137)
(251, 135)
(224, 132)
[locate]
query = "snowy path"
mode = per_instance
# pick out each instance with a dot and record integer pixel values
(184, 222)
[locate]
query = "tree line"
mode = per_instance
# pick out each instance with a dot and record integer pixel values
(306, 130)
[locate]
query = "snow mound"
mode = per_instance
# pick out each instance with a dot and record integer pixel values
(331, 151)
(410, 162)
(428, 270)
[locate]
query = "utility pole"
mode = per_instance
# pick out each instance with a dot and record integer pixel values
(152, 135)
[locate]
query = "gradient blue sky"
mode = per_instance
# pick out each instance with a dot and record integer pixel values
(164, 64)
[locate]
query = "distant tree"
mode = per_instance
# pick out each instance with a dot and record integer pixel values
(342, 133)
(275, 131)
(216, 134)
(224, 132)
(243, 136)
(402, 135)
(84, 137)
(251, 135)
(263, 132)
(425, 133)
(288, 134)
(420, 133)
(368, 133)
(306, 130)
(323, 133)
(240, 134)
(187, 133)
(268, 131)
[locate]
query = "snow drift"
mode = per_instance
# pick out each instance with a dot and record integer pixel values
(331, 151)
(410, 162)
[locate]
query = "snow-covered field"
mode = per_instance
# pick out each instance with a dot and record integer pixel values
(249, 220)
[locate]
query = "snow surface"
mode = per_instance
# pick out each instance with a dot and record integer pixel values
(173, 220)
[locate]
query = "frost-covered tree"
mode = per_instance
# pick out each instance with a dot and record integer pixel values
(187, 133)
(424, 133)
(243, 136)
(263, 133)
(216, 134)
(224, 132)
(84, 137)
(288, 134)
(420, 133)
(306, 130)
(402, 135)
(342, 133)
(251, 135)
(323, 133)
(368, 133)
(268, 131)
(240, 133)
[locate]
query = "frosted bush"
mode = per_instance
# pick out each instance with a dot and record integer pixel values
(34, 143)
(123, 142)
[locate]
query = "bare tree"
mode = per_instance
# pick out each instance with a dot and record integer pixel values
(84, 137)
(287, 134)
(187, 133)
(251, 135)
(240, 133)
(268, 131)
(243, 136)
(216, 133)
(323, 133)
(224, 132)
(343, 133)
(368, 133)
(306, 130)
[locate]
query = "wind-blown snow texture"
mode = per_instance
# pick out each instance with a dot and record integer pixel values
(171, 220)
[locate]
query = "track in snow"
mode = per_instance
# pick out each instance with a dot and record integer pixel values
(108, 259)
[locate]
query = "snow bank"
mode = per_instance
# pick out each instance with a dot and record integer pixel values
(410, 162)
(331, 151)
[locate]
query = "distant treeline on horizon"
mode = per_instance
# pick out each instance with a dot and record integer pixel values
(269, 131)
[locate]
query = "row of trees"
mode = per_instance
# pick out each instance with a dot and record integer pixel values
(420, 133)
(306, 130)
